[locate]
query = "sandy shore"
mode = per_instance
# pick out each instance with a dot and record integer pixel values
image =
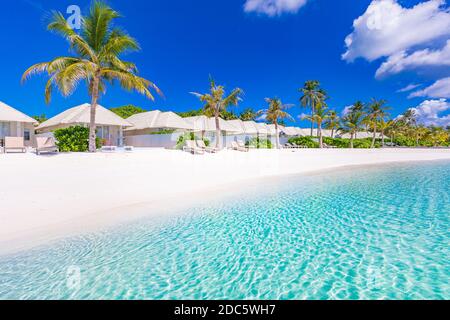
(46, 197)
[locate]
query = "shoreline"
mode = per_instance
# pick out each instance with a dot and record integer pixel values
(21, 229)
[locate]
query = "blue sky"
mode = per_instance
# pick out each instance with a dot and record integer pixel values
(266, 47)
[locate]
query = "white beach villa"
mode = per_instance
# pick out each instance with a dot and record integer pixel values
(14, 123)
(109, 125)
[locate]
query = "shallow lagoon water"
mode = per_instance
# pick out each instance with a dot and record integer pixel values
(361, 233)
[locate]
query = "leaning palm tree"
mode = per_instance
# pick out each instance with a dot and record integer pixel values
(333, 122)
(320, 116)
(275, 114)
(351, 124)
(96, 60)
(216, 102)
(376, 111)
(311, 96)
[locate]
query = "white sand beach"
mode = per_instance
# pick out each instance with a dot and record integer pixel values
(46, 197)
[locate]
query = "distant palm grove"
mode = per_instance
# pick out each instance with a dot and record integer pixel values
(371, 117)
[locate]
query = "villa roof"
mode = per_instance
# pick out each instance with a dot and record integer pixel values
(157, 120)
(9, 114)
(203, 123)
(81, 115)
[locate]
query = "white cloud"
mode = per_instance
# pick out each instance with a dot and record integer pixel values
(388, 29)
(422, 58)
(440, 89)
(429, 112)
(409, 87)
(274, 7)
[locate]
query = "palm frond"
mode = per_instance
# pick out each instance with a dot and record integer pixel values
(97, 25)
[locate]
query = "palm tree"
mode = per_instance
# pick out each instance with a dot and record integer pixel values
(311, 96)
(216, 102)
(248, 115)
(384, 125)
(351, 124)
(320, 116)
(376, 111)
(97, 49)
(410, 119)
(275, 114)
(333, 122)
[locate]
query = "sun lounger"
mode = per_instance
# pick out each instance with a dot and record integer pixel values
(15, 144)
(192, 147)
(201, 144)
(46, 144)
(242, 146)
(289, 146)
(109, 149)
(236, 147)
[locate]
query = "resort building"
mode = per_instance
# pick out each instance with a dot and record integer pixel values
(155, 129)
(14, 123)
(109, 125)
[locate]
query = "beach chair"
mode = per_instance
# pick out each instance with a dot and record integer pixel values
(15, 144)
(236, 147)
(242, 146)
(289, 146)
(192, 147)
(201, 144)
(46, 144)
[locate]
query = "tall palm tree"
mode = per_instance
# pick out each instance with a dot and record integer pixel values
(276, 113)
(320, 116)
(216, 102)
(384, 125)
(358, 106)
(311, 96)
(333, 122)
(96, 60)
(410, 119)
(376, 111)
(351, 124)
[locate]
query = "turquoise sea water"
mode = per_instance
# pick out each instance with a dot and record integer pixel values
(366, 233)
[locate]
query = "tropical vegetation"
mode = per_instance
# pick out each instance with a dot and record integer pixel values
(74, 139)
(127, 111)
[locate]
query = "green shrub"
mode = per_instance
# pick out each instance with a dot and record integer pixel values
(74, 139)
(259, 143)
(189, 137)
(337, 142)
(304, 141)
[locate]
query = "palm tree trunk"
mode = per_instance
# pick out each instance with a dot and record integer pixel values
(277, 138)
(332, 133)
(351, 140)
(313, 110)
(374, 136)
(92, 125)
(382, 138)
(319, 129)
(218, 142)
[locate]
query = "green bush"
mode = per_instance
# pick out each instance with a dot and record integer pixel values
(189, 137)
(337, 142)
(74, 139)
(259, 143)
(304, 141)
